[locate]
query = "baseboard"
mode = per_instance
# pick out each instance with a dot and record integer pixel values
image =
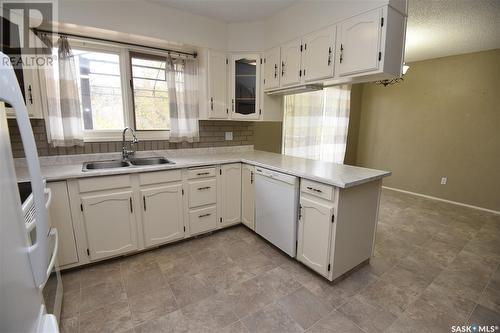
(443, 200)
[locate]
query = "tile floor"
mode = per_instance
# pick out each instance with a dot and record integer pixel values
(435, 265)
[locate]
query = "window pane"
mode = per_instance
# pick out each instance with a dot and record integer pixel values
(151, 103)
(99, 85)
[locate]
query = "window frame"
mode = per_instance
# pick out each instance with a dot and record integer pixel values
(124, 54)
(143, 55)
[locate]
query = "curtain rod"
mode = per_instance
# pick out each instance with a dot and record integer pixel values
(192, 54)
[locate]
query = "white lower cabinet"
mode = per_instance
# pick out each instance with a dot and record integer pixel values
(162, 214)
(60, 218)
(230, 194)
(202, 219)
(110, 223)
(248, 196)
(315, 233)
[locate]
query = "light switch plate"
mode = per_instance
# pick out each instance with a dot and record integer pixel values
(228, 136)
(444, 180)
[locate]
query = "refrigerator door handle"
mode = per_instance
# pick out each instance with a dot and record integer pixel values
(10, 92)
(53, 233)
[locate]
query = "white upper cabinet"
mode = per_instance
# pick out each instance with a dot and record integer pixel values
(359, 43)
(245, 86)
(272, 68)
(230, 194)
(110, 224)
(217, 85)
(318, 55)
(291, 71)
(248, 196)
(315, 234)
(162, 214)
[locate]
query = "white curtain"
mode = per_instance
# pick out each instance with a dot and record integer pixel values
(182, 83)
(315, 124)
(60, 97)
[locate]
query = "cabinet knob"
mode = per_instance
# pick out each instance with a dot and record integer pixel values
(282, 68)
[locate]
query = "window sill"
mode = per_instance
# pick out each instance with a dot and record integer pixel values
(102, 136)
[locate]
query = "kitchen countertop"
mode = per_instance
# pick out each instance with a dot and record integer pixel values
(70, 166)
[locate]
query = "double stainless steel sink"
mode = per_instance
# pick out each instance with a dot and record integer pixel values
(117, 164)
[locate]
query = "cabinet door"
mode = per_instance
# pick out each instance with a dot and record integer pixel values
(231, 194)
(162, 214)
(315, 234)
(217, 85)
(272, 69)
(317, 58)
(248, 196)
(291, 63)
(245, 83)
(360, 43)
(110, 224)
(60, 218)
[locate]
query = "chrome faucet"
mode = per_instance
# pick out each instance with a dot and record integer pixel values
(127, 153)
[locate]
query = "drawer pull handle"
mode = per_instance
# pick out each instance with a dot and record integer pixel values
(314, 189)
(204, 188)
(202, 173)
(204, 215)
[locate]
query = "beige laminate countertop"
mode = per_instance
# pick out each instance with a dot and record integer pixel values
(344, 176)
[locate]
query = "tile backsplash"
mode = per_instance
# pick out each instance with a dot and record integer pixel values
(211, 135)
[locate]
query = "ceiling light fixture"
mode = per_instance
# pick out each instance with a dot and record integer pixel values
(396, 80)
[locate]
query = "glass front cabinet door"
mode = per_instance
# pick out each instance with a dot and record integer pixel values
(245, 85)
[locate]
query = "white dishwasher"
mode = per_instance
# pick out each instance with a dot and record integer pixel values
(276, 208)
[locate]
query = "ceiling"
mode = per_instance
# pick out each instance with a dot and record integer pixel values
(230, 11)
(439, 28)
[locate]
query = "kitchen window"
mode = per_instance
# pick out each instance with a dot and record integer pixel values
(100, 89)
(120, 87)
(150, 93)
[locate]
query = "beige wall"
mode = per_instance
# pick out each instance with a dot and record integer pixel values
(267, 136)
(442, 121)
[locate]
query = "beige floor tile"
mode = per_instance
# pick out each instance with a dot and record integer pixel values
(71, 280)
(304, 307)
(388, 297)
(277, 282)
(144, 281)
(177, 266)
(490, 298)
(366, 316)
(100, 295)
(225, 276)
(212, 313)
(271, 319)
(114, 318)
(236, 327)
(151, 305)
(71, 304)
(69, 325)
(335, 322)
(104, 272)
(174, 322)
(190, 289)
(247, 297)
(138, 263)
(255, 263)
(484, 316)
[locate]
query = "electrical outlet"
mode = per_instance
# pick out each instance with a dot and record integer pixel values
(228, 136)
(444, 180)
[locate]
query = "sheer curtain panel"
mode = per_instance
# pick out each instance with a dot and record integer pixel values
(182, 83)
(315, 124)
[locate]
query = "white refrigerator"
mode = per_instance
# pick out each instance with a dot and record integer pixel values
(25, 266)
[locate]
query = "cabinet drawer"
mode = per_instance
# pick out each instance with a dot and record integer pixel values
(159, 177)
(201, 173)
(103, 183)
(202, 219)
(203, 192)
(317, 189)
